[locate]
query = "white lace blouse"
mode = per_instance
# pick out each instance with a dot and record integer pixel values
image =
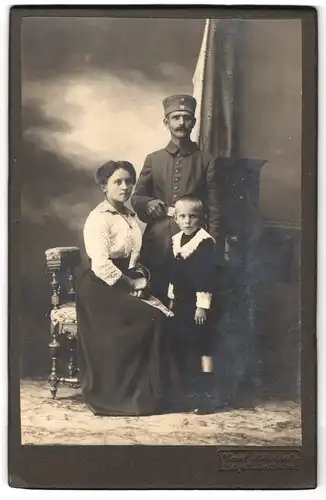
(109, 234)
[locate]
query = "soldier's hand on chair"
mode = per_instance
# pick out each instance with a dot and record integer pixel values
(156, 208)
(200, 316)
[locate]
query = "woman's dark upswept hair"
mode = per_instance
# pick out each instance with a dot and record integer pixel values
(108, 169)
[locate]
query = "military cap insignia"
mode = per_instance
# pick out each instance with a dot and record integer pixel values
(179, 103)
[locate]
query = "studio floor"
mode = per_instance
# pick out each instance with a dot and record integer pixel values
(68, 421)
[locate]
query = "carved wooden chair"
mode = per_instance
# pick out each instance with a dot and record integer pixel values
(60, 265)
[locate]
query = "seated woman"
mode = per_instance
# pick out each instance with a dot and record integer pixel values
(126, 360)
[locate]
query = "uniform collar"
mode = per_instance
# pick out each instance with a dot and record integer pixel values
(105, 206)
(186, 149)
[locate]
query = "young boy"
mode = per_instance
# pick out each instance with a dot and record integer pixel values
(192, 282)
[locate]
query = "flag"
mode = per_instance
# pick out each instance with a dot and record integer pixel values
(215, 84)
(219, 91)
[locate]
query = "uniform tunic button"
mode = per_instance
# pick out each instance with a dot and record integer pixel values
(177, 170)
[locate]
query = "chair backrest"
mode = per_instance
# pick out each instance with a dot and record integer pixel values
(60, 263)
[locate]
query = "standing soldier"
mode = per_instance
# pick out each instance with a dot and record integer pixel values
(180, 169)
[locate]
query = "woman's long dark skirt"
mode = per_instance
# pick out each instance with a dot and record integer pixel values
(126, 361)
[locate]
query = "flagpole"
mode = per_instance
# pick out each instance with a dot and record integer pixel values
(198, 80)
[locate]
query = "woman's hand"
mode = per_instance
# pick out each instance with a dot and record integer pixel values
(139, 284)
(138, 293)
(136, 284)
(141, 294)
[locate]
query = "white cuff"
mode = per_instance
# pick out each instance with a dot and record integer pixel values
(108, 273)
(203, 300)
(170, 291)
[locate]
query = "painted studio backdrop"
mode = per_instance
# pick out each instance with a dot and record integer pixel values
(92, 90)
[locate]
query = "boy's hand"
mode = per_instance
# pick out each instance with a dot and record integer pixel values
(200, 316)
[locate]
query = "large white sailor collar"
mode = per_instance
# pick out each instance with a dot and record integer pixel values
(188, 248)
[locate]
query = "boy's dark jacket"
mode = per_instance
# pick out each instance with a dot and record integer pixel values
(193, 270)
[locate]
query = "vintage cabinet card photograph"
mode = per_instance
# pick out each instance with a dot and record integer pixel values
(163, 167)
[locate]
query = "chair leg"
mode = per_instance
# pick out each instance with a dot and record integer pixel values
(72, 365)
(54, 350)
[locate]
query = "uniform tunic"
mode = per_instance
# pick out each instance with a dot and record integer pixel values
(169, 174)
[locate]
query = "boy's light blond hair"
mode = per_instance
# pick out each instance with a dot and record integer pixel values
(189, 200)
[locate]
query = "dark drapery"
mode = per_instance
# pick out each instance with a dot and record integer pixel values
(249, 102)
(217, 86)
